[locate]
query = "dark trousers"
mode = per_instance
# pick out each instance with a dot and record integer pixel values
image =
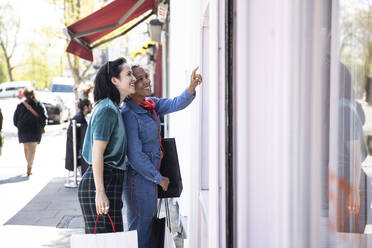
(113, 182)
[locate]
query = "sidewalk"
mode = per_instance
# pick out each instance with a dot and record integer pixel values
(36, 211)
(48, 220)
(54, 206)
(35, 237)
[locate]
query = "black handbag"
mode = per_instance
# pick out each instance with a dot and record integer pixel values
(157, 234)
(170, 168)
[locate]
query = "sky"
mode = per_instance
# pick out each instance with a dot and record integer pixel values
(35, 14)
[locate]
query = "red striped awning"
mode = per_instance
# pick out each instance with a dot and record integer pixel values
(86, 31)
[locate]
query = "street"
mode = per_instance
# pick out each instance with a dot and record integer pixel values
(33, 207)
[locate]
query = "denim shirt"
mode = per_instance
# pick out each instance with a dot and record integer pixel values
(143, 133)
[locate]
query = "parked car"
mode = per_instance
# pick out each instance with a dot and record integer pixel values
(64, 87)
(12, 89)
(57, 109)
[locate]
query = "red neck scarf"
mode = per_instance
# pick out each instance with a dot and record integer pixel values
(148, 104)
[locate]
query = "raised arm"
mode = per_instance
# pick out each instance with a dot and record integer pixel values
(166, 105)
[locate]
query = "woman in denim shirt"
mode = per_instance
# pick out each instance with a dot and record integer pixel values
(141, 117)
(104, 149)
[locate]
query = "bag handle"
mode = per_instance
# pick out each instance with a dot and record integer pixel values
(159, 207)
(30, 109)
(167, 213)
(112, 223)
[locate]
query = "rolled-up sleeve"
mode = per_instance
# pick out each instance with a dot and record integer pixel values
(138, 160)
(167, 105)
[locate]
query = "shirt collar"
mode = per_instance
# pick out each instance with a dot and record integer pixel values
(134, 106)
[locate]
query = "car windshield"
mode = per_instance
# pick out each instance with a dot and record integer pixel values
(62, 88)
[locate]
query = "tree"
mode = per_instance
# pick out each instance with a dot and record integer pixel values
(3, 76)
(356, 43)
(72, 13)
(75, 10)
(9, 29)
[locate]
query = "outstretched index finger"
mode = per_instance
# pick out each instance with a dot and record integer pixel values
(194, 71)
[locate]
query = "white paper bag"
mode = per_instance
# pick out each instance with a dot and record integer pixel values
(105, 240)
(168, 237)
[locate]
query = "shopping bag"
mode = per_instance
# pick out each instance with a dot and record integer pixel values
(157, 233)
(161, 236)
(105, 240)
(170, 168)
(168, 237)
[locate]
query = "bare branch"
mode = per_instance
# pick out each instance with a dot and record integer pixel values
(15, 38)
(86, 70)
(69, 60)
(88, 76)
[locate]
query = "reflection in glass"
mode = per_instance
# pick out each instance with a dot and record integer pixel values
(350, 194)
(352, 152)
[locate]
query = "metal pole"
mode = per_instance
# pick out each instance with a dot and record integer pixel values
(74, 150)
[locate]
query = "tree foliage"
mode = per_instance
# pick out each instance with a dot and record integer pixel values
(9, 29)
(3, 75)
(42, 62)
(356, 35)
(75, 10)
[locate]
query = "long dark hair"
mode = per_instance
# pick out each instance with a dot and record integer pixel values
(103, 87)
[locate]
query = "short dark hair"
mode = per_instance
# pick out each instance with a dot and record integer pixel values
(135, 67)
(82, 103)
(346, 84)
(29, 94)
(103, 87)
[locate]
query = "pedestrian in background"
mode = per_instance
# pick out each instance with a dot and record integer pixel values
(105, 145)
(84, 107)
(352, 151)
(141, 118)
(30, 119)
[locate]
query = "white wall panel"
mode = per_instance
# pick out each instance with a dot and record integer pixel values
(184, 55)
(199, 130)
(277, 126)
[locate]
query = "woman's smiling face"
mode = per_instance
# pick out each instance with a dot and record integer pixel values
(143, 82)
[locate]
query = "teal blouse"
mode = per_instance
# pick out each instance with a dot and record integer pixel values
(106, 124)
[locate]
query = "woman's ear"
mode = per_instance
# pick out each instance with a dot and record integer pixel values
(115, 81)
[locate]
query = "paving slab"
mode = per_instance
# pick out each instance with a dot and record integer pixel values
(49, 206)
(21, 236)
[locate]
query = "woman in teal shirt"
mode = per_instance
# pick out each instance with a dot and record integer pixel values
(104, 148)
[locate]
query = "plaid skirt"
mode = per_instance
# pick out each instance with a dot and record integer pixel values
(113, 182)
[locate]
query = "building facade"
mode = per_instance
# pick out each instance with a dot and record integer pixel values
(260, 146)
